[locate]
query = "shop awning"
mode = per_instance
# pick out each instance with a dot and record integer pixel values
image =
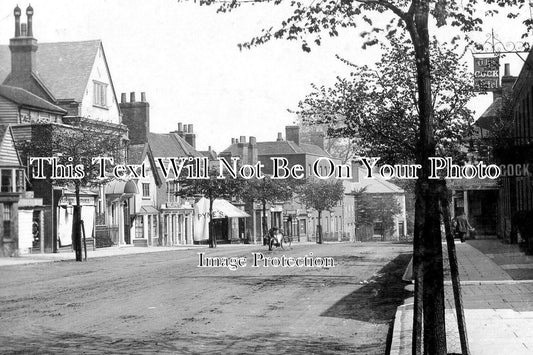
(118, 187)
(148, 210)
(222, 208)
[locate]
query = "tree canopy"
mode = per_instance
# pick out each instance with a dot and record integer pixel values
(321, 195)
(379, 105)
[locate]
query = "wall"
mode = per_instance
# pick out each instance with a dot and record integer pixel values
(8, 111)
(100, 73)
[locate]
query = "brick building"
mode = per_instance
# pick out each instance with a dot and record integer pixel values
(292, 217)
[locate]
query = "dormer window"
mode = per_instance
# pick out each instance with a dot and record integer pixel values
(100, 94)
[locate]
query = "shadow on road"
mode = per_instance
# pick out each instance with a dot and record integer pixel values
(378, 299)
(179, 343)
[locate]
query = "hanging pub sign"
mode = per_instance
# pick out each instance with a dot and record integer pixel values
(486, 73)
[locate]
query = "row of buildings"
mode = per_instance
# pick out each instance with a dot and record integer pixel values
(48, 87)
(504, 208)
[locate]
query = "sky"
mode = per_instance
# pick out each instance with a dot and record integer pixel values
(185, 57)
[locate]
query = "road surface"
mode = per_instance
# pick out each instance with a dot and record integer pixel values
(164, 302)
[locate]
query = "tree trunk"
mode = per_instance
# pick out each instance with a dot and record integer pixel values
(76, 226)
(319, 227)
(264, 223)
(212, 238)
(427, 240)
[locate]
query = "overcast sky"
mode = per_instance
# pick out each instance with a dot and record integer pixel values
(185, 57)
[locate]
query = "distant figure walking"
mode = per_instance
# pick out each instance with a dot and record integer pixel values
(462, 226)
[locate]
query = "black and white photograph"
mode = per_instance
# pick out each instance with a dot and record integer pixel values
(266, 177)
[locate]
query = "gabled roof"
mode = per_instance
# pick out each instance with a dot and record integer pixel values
(166, 145)
(136, 153)
(26, 98)
(210, 154)
(313, 149)
(64, 67)
(486, 120)
(8, 153)
(376, 185)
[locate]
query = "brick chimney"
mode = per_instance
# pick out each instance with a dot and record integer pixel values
(189, 135)
(136, 115)
(507, 81)
(242, 149)
(292, 133)
(252, 150)
(356, 164)
(280, 137)
(23, 49)
(317, 138)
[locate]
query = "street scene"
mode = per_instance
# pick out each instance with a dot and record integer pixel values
(164, 302)
(315, 177)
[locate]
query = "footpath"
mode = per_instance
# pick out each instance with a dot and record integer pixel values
(497, 292)
(97, 253)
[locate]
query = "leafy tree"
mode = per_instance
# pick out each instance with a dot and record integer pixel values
(309, 21)
(268, 190)
(379, 105)
(321, 195)
(370, 208)
(76, 146)
(211, 188)
(384, 209)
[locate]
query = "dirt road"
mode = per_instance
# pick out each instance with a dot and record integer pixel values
(163, 302)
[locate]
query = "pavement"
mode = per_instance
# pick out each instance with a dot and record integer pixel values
(497, 293)
(97, 253)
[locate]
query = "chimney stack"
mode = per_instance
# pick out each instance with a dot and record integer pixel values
(29, 15)
(143, 97)
(252, 150)
(507, 81)
(189, 135)
(136, 116)
(355, 170)
(317, 138)
(280, 137)
(23, 49)
(292, 133)
(17, 12)
(242, 139)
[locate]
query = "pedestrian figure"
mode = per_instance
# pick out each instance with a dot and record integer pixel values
(462, 226)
